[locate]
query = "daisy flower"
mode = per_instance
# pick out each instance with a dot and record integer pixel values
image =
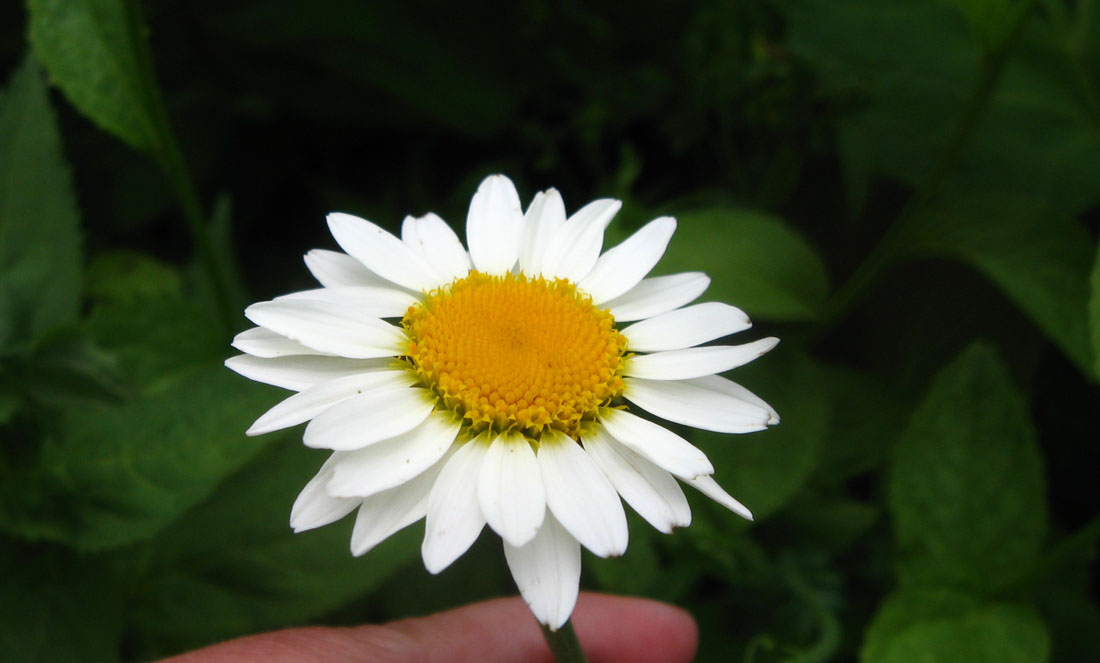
(500, 386)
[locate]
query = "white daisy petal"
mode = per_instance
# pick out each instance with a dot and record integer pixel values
(260, 342)
(686, 327)
(656, 443)
(378, 414)
(648, 489)
(315, 507)
(547, 572)
(696, 362)
(334, 269)
(329, 328)
(311, 402)
(431, 237)
(708, 486)
(621, 268)
(303, 371)
(542, 222)
(657, 295)
(728, 387)
(454, 517)
(494, 225)
(689, 403)
(379, 302)
(580, 496)
(509, 489)
(389, 463)
(390, 511)
(382, 253)
(576, 246)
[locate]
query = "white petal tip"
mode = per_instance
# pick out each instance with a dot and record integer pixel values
(519, 540)
(339, 217)
(434, 569)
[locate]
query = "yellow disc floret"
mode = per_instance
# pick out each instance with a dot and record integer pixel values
(516, 353)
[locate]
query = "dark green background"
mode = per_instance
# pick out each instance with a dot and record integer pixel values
(905, 191)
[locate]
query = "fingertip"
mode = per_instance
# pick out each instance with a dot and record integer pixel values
(619, 628)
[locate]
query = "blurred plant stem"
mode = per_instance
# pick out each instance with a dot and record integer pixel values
(564, 645)
(170, 157)
(175, 167)
(991, 69)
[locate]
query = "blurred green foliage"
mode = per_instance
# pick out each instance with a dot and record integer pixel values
(906, 191)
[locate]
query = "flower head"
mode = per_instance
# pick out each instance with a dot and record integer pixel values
(498, 385)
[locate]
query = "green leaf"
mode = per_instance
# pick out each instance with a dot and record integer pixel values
(1094, 310)
(39, 225)
(113, 475)
(124, 276)
(966, 487)
(1038, 257)
(57, 606)
(1066, 602)
(764, 470)
(860, 439)
(233, 566)
(991, 21)
(755, 262)
(638, 570)
(96, 53)
(372, 64)
(220, 232)
(70, 371)
(155, 340)
(833, 523)
(942, 626)
(914, 67)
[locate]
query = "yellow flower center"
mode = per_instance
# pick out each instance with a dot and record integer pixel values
(516, 353)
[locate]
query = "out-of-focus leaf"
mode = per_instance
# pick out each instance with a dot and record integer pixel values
(637, 570)
(763, 470)
(1094, 310)
(232, 565)
(124, 276)
(915, 67)
(832, 523)
(96, 53)
(154, 340)
(868, 49)
(990, 20)
(367, 51)
(943, 626)
(220, 232)
(106, 475)
(113, 475)
(57, 606)
(70, 370)
(966, 487)
(1037, 256)
(755, 263)
(1065, 600)
(39, 225)
(860, 438)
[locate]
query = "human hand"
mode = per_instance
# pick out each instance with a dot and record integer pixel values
(611, 629)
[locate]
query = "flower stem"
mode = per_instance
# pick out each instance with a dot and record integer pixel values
(564, 644)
